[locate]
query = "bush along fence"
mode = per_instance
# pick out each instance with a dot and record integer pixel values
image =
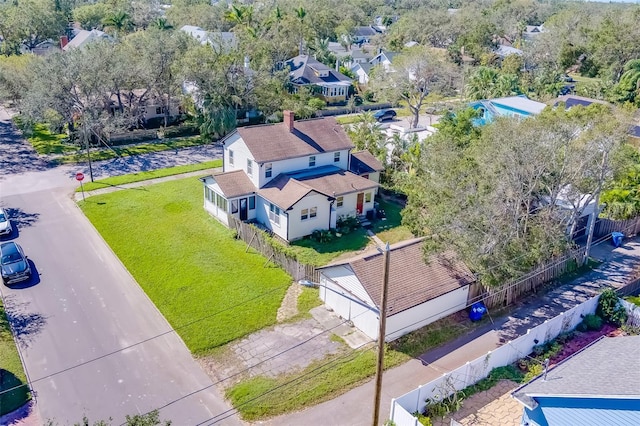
(273, 250)
(402, 408)
(512, 291)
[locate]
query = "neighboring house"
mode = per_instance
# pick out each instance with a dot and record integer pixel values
(362, 71)
(150, 106)
(512, 106)
(43, 48)
(220, 41)
(570, 201)
(570, 101)
(532, 31)
(291, 178)
(419, 292)
(385, 59)
(327, 83)
(363, 35)
(504, 50)
(600, 385)
(83, 37)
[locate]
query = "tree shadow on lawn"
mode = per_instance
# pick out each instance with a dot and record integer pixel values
(13, 395)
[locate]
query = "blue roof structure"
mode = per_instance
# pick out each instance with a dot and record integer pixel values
(519, 106)
(596, 386)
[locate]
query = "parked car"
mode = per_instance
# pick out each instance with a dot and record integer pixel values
(14, 264)
(5, 223)
(384, 114)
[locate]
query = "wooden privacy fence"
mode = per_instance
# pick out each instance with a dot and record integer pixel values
(604, 227)
(510, 292)
(257, 238)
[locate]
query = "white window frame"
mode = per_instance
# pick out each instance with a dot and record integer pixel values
(268, 170)
(340, 201)
(312, 161)
(313, 212)
(367, 197)
(231, 157)
(274, 214)
(304, 214)
(249, 166)
(336, 157)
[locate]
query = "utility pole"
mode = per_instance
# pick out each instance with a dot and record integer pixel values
(86, 142)
(381, 334)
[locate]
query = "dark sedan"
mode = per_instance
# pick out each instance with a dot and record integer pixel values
(384, 114)
(14, 264)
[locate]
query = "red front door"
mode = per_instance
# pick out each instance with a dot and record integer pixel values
(360, 202)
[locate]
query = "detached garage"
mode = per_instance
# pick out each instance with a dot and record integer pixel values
(419, 293)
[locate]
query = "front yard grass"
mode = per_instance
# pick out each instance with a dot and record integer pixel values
(262, 397)
(45, 142)
(151, 174)
(128, 150)
(201, 279)
(12, 374)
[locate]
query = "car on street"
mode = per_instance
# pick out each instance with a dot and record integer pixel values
(14, 264)
(5, 223)
(384, 114)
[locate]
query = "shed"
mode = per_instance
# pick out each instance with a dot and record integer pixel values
(419, 292)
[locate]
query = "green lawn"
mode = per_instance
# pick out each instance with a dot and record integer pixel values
(262, 397)
(191, 267)
(143, 148)
(152, 174)
(390, 230)
(11, 372)
(45, 142)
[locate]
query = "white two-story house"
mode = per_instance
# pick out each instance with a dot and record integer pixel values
(292, 178)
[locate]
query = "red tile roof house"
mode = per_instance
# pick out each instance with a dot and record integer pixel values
(292, 178)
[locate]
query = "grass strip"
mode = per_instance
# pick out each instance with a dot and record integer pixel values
(12, 374)
(146, 175)
(262, 397)
(202, 279)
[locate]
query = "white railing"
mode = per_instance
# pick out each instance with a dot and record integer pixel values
(479, 368)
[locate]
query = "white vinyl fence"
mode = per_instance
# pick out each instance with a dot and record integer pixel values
(476, 370)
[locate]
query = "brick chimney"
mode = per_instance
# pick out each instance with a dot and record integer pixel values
(288, 119)
(63, 41)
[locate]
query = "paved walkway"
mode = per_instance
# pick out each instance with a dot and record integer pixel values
(355, 407)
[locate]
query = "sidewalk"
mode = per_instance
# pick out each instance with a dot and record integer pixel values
(78, 195)
(355, 407)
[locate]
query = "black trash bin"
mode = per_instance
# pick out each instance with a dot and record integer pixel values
(370, 214)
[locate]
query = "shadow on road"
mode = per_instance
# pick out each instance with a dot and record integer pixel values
(26, 325)
(21, 219)
(17, 156)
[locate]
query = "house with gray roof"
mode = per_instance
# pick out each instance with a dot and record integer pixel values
(84, 37)
(292, 178)
(600, 385)
(327, 83)
(220, 41)
(419, 292)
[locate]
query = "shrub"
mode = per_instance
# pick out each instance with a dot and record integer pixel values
(610, 308)
(424, 420)
(322, 236)
(591, 322)
(347, 224)
(181, 130)
(534, 371)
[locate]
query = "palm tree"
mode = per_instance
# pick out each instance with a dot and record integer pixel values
(161, 24)
(629, 84)
(322, 53)
(301, 13)
(482, 83)
(119, 22)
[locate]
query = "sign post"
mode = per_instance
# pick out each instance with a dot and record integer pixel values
(80, 178)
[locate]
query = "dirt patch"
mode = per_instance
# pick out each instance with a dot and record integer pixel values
(583, 338)
(289, 307)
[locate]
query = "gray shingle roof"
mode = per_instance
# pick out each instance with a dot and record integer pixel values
(234, 184)
(412, 281)
(609, 367)
(275, 142)
(287, 189)
(305, 70)
(364, 162)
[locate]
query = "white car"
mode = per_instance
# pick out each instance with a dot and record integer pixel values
(5, 223)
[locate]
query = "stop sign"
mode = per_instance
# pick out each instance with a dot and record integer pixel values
(79, 176)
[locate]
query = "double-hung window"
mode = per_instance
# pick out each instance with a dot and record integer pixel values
(313, 212)
(339, 202)
(336, 157)
(249, 166)
(312, 161)
(268, 170)
(367, 197)
(230, 157)
(304, 214)
(274, 214)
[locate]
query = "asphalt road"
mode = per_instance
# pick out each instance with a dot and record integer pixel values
(92, 342)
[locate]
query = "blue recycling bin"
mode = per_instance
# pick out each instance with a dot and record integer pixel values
(478, 309)
(616, 238)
